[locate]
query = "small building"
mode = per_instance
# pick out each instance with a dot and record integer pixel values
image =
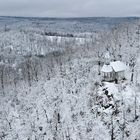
(113, 70)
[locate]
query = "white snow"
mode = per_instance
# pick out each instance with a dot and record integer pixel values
(118, 66)
(62, 97)
(107, 68)
(107, 55)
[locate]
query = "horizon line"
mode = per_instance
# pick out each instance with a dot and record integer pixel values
(6, 16)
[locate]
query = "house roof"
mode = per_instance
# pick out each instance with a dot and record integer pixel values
(107, 68)
(116, 66)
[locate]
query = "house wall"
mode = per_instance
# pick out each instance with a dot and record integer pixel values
(120, 75)
(112, 76)
(108, 76)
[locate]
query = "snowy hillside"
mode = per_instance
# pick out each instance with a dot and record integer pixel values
(51, 85)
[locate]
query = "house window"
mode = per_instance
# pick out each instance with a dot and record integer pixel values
(106, 75)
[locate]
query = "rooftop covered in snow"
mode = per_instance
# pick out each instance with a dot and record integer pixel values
(116, 66)
(107, 68)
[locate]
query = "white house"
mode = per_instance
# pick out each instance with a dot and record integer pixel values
(112, 71)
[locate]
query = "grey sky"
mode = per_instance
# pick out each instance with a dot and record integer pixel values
(70, 8)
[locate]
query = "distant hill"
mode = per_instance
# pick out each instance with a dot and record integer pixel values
(76, 25)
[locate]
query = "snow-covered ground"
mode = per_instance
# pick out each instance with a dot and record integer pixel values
(51, 86)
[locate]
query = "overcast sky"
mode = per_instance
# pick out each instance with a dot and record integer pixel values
(70, 8)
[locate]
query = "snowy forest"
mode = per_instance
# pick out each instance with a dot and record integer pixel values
(51, 84)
